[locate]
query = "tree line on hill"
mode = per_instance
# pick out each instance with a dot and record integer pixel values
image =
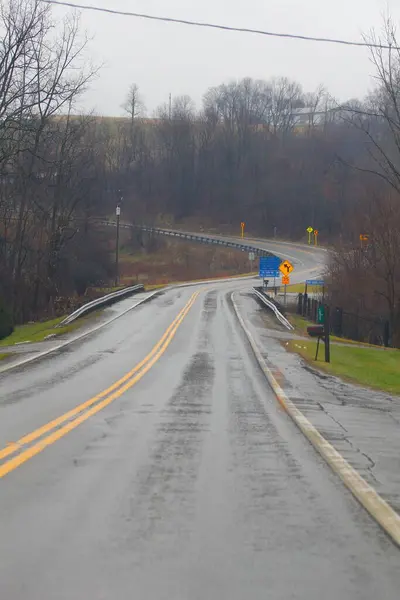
(263, 152)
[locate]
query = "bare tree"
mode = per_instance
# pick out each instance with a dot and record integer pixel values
(286, 96)
(39, 85)
(379, 116)
(183, 108)
(23, 25)
(134, 105)
(383, 226)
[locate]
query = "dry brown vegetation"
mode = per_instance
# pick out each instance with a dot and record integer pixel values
(174, 261)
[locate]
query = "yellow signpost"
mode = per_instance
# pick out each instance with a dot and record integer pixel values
(363, 238)
(309, 231)
(242, 226)
(285, 268)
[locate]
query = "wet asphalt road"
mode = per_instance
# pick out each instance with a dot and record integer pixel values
(193, 484)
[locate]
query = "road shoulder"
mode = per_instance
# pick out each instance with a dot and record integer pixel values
(360, 424)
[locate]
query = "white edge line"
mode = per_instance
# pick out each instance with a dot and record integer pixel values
(76, 338)
(368, 497)
(40, 355)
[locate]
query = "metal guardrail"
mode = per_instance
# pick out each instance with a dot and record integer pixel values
(283, 320)
(110, 298)
(204, 239)
(100, 302)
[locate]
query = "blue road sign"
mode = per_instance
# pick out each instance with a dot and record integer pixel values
(319, 282)
(269, 266)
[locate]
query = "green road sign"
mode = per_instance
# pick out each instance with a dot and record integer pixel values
(321, 314)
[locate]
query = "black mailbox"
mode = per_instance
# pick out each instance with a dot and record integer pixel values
(315, 330)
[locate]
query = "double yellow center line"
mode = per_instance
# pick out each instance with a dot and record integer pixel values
(21, 451)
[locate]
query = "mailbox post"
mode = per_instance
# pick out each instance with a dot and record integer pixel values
(322, 333)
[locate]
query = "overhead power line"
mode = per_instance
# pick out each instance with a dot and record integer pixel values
(223, 27)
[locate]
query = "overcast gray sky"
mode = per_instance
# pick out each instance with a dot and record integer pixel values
(163, 58)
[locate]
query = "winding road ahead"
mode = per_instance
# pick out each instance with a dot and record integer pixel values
(151, 460)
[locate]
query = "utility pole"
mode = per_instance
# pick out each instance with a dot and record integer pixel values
(170, 107)
(118, 214)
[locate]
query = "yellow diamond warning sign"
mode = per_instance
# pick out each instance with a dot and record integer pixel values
(286, 267)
